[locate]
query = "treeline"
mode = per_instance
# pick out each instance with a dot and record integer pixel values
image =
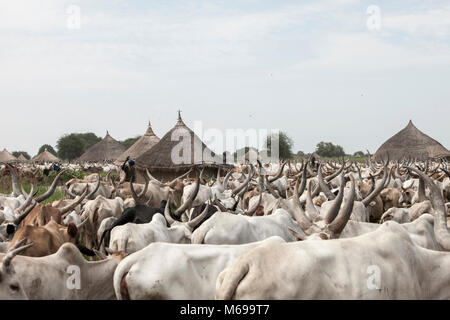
(72, 145)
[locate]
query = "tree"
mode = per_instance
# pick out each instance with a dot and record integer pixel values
(285, 144)
(327, 149)
(24, 153)
(358, 154)
(130, 141)
(73, 145)
(49, 149)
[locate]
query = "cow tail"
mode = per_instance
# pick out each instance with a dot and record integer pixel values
(230, 280)
(121, 272)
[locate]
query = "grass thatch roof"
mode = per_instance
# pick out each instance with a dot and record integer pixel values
(45, 156)
(160, 156)
(145, 143)
(22, 158)
(108, 149)
(411, 143)
(7, 157)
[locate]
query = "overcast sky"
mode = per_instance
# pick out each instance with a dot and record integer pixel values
(311, 68)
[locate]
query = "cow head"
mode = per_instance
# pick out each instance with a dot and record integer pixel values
(407, 195)
(10, 285)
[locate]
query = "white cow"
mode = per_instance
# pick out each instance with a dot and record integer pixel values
(176, 271)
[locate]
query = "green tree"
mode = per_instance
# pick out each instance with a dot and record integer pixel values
(285, 144)
(49, 149)
(24, 153)
(130, 141)
(73, 145)
(358, 154)
(327, 149)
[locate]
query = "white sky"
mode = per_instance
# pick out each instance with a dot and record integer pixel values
(310, 68)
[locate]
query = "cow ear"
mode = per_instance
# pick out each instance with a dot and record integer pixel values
(72, 230)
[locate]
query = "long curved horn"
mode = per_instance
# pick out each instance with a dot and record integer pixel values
(377, 190)
(303, 184)
(336, 205)
(73, 196)
(27, 200)
(14, 181)
(270, 189)
(19, 219)
(298, 214)
(67, 209)
(167, 215)
(421, 191)
(219, 204)
(170, 184)
(298, 236)
(440, 220)
(198, 219)
(344, 214)
(133, 193)
(225, 180)
(246, 182)
(185, 206)
(144, 191)
(152, 178)
(81, 224)
(97, 186)
(279, 173)
(52, 188)
(334, 175)
(252, 211)
(323, 185)
(15, 250)
(310, 207)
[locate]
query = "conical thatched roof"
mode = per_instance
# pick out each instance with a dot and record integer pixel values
(45, 156)
(145, 143)
(22, 158)
(169, 152)
(7, 157)
(411, 143)
(108, 149)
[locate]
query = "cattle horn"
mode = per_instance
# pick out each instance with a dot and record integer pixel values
(197, 220)
(97, 186)
(13, 251)
(27, 202)
(297, 235)
(14, 181)
(438, 204)
(52, 188)
(377, 190)
(279, 173)
(334, 209)
(171, 184)
(252, 211)
(19, 219)
(344, 214)
(72, 206)
(323, 185)
(185, 206)
(311, 210)
(167, 215)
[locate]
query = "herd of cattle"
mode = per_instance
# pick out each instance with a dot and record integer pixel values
(310, 230)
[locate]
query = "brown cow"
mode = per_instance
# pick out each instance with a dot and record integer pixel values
(47, 239)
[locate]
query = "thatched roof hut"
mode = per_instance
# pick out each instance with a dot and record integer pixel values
(145, 143)
(7, 157)
(411, 143)
(22, 158)
(45, 156)
(108, 149)
(178, 151)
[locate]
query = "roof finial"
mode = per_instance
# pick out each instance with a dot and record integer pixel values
(179, 115)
